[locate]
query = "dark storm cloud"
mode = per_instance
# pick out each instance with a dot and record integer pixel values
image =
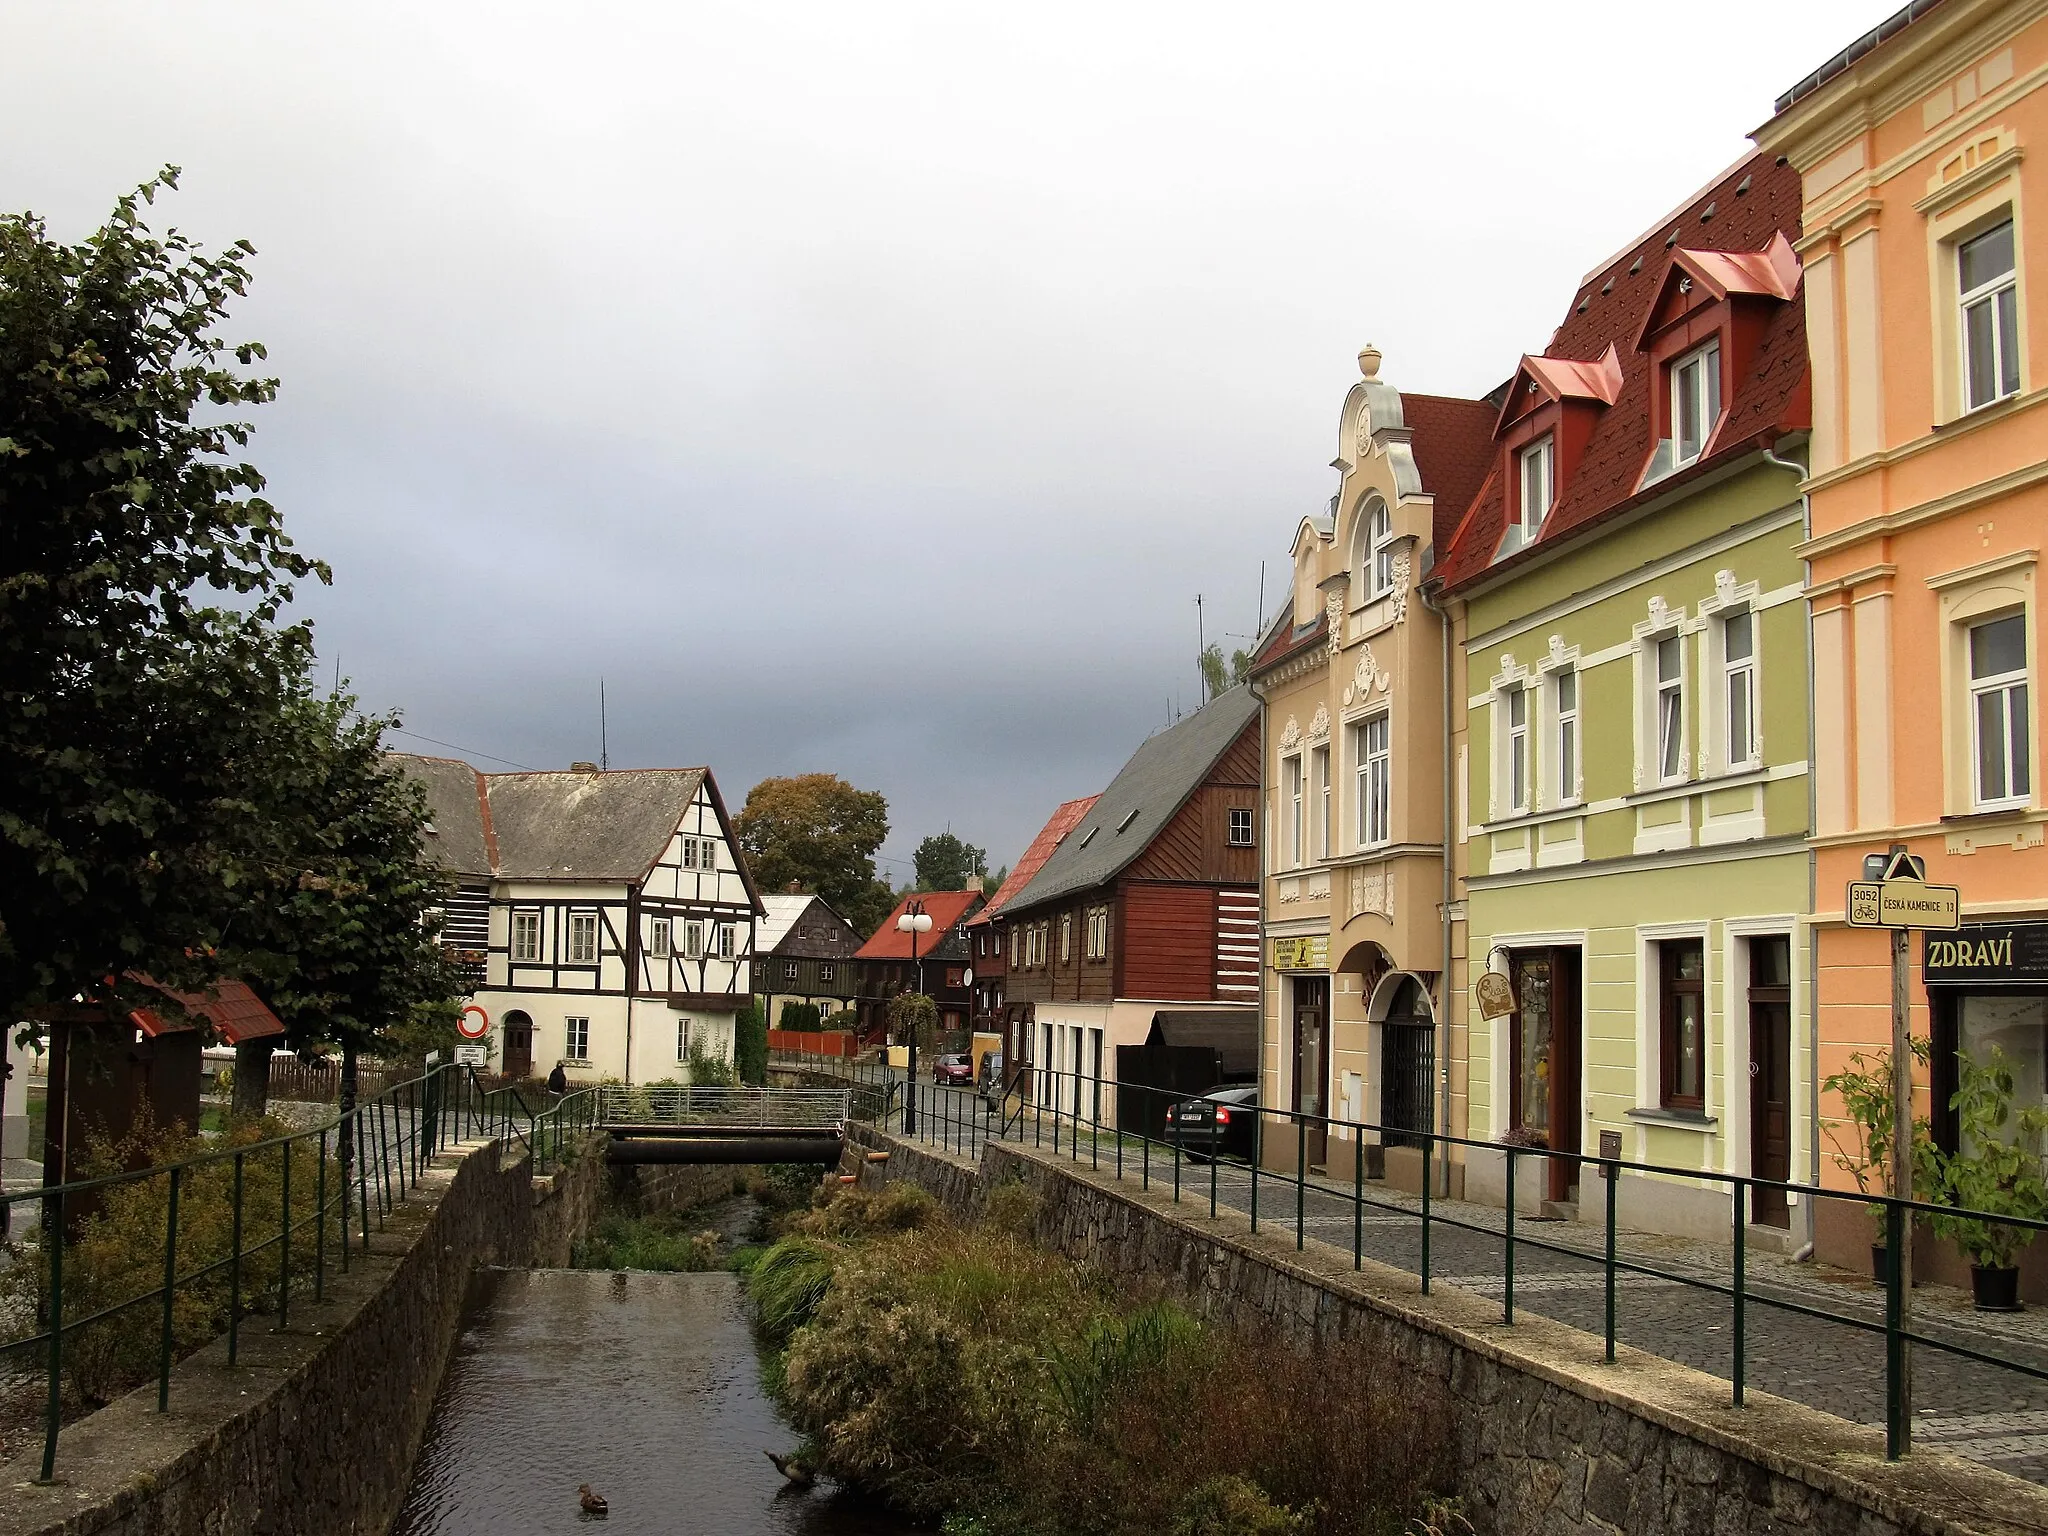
(858, 388)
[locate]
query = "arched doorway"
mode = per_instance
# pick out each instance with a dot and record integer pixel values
(518, 1057)
(1408, 1061)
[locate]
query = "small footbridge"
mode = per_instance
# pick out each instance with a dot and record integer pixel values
(667, 1124)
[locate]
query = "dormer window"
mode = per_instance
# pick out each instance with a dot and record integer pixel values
(1538, 485)
(1695, 401)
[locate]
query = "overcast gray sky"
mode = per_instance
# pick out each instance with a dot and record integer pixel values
(870, 387)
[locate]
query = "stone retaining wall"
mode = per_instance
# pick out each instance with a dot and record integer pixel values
(1552, 1438)
(313, 1431)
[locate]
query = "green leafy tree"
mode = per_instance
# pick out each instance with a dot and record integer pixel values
(944, 862)
(1220, 676)
(817, 832)
(343, 936)
(750, 1045)
(129, 703)
(910, 1011)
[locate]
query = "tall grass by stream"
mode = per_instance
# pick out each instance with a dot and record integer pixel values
(963, 1373)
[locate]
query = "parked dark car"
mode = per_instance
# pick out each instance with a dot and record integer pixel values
(955, 1068)
(1218, 1124)
(992, 1085)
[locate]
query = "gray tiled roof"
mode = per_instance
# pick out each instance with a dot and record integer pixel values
(455, 804)
(552, 826)
(587, 826)
(1152, 786)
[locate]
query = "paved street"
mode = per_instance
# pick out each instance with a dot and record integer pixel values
(1981, 1411)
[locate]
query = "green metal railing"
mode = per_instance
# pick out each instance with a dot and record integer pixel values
(1063, 1110)
(359, 1166)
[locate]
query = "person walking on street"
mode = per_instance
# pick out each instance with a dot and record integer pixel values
(558, 1081)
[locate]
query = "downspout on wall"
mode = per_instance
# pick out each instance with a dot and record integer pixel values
(1450, 890)
(1805, 1250)
(1264, 834)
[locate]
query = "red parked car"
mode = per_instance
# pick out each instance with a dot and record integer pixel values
(954, 1069)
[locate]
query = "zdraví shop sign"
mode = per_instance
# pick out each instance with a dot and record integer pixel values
(1992, 952)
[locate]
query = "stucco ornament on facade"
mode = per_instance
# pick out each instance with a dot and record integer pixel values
(1367, 679)
(1333, 620)
(1401, 570)
(1372, 891)
(1319, 726)
(1291, 736)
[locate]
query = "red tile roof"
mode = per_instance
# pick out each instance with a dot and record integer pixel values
(228, 1005)
(945, 908)
(1057, 826)
(1453, 448)
(1734, 230)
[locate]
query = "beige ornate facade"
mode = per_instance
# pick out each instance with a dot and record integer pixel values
(1360, 921)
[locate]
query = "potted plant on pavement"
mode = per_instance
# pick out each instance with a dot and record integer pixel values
(1996, 1171)
(1865, 1089)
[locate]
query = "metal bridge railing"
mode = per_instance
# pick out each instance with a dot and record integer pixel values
(754, 1108)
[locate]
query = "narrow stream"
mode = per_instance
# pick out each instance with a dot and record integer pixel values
(646, 1386)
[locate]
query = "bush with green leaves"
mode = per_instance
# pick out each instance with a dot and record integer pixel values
(802, 1017)
(750, 1045)
(913, 1011)
(1865, 1089)
(708, 1068)
(963, 1373)
(116, 1253)
(1996, 1167)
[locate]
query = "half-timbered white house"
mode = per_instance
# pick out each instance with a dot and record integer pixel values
(611, 914)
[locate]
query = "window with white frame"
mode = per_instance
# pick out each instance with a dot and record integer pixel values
(1066, 937)
(1695, 401)
(689, 853)
(1564, 701)
(1240, 827)
(576, 1039)
(1013, 945)
(1379, 550)
(707, 853)
(683, 1039)
(1669, 653)
(693, 940)
(1321, 757)
(1371, 752)
(725, 941)
(2000, 728)
(659, 934)
(789, 970)
(525, 936)
(1538, 485)
(1986, 278)
(1738, 685)
(1294, 813)
(1515, 716)
(1098, 933)
(582, 938)
(825, 971)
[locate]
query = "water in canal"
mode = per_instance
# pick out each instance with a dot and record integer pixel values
(646, 1386)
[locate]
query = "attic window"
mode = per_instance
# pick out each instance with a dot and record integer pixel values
(1129, 816)
(1671, 239)
(1708, 212)
(1637, 267)
(1742, 190)
(1607, 287)
(1089, 837)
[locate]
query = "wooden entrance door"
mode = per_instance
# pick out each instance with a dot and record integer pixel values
(518, 1061)
(1311, 1064)
(1770, 1075)
(1543, 1078)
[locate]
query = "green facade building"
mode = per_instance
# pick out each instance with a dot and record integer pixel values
(1635, 749)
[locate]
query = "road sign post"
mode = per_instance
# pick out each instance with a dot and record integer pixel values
(1899, 898)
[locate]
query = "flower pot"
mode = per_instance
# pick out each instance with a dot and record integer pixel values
(1880, 1265)
(1995, 1289)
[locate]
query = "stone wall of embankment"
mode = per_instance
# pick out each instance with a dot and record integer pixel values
(313, 1431)
(1552, 1439)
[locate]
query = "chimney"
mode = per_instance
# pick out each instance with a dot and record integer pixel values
(973, 883)
(583, 767)
(796, 887)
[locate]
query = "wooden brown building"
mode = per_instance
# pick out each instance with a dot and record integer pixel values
(1149, 902)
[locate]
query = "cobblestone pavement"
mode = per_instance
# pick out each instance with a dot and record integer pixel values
(1990, 1414)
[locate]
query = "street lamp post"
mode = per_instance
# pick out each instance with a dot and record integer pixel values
(913, 920)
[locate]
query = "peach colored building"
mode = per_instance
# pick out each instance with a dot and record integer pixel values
(1923, 149)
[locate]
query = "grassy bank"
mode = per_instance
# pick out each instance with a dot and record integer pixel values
(696, 1238)
(964, 1373)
